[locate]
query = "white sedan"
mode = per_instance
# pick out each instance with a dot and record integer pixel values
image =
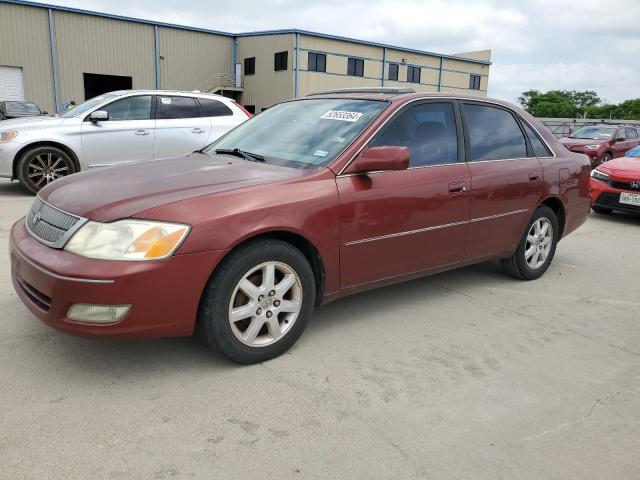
(113, 128)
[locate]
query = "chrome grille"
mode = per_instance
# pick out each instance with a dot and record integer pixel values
(51, 226)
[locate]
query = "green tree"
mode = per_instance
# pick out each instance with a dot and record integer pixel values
(585, 99)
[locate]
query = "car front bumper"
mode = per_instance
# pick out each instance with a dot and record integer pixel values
(164, 295)
(604, 195)
(8, 152)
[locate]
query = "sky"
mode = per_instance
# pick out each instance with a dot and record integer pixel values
(536, 44)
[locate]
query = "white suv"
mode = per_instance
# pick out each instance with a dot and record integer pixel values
(114, 128)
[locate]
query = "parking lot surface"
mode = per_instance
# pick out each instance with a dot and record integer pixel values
(462, 375)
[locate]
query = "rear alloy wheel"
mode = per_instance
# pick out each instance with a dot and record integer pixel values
(40, 166)
(259, 301)
(537, 247)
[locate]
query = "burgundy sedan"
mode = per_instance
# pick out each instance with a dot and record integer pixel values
(311, 200)
(602, 143)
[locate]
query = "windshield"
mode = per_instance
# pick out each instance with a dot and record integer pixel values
(593, 133)
(22, 108)
(306, 133)
(88, 105)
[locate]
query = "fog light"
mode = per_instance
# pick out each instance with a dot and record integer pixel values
(103, 314)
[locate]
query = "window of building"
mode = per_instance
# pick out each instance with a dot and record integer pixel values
(474, 82)
(176, 107)
(250, 66)
(355, 67)
(213, 108)
(539, 148)
(317, 62)
(494, 133)
(413, 74)
(428, 130)
(130, 108)
(280, 61)
(393, 71)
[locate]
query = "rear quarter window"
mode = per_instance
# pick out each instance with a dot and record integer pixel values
(213, 108)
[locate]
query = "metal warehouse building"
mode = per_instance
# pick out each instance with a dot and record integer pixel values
(51, 55)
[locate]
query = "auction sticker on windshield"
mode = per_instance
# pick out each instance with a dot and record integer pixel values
(342, 115)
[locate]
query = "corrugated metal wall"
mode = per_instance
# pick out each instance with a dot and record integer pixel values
(190, 58)
(91, 44)
(24, 42)
(267, 86)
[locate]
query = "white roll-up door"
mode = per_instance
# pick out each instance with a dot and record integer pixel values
(11, 83)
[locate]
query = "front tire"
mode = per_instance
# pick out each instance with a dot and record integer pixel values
(40, 166)
(605, 158)
(258, 302)
(537, 246)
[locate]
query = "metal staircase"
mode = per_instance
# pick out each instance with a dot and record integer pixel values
(221, 82)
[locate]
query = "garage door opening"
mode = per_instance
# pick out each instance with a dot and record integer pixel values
(96, 84)
(11, 83)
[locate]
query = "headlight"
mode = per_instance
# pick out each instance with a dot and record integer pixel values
(6, 137)
(127, 240)
(595, 173)
(592, 147)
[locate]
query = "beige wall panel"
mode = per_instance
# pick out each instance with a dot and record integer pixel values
(191, 58)
(427, 75)
(338, 46)
(463, 66)
(311, 82)
(267, 86)
(417, 87)
(478, 55)
(413, 58)
(24, 42)
(90, 44)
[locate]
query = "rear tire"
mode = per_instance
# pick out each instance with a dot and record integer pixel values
(601, 210)
(537, 246)
(258, 302)
(40, 166)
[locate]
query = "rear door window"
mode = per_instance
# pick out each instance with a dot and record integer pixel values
(213, 108)
(538, 147)
(176, 107)
(428, 130)
(494, 133)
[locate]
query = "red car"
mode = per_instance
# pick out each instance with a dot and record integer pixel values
(311, 200)
(602, 143)
(616, 185)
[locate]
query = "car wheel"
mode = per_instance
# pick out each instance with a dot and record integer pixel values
(601, 210)
(537, 246)
(258, 302)
(40, 166)
(605, 158)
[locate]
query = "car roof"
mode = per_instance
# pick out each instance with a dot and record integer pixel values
(180, 93)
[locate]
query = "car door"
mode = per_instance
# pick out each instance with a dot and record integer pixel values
(220, 116)
(620, 143)
(395, 223)
(127, 136)
(179, 127)
(632, 138)
(506, 179)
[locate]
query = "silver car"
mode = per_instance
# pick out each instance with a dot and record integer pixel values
(113, 128)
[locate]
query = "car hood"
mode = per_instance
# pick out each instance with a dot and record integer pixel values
(123, 191)
(624, 168)
(580, 141)
(30, 123)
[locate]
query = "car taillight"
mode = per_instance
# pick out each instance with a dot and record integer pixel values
(247, 112)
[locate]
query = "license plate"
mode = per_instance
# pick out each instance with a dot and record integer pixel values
(630, 199)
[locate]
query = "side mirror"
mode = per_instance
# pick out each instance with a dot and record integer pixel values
(380, 158)
(620, 139)
(45, 113)
(99, 116)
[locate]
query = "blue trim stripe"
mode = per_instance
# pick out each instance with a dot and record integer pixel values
(54, 61)
(244, 34)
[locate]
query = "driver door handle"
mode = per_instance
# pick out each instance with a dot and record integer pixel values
(141, 133)
(197, 130)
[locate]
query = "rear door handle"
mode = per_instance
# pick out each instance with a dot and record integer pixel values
(457, 187)
(534, 176)
(197, 130)
(141, 133)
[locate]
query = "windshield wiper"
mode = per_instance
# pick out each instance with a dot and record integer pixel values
(250, 157)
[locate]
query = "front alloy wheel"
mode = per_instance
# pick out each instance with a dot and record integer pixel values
(258, 302)
(40, 166)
